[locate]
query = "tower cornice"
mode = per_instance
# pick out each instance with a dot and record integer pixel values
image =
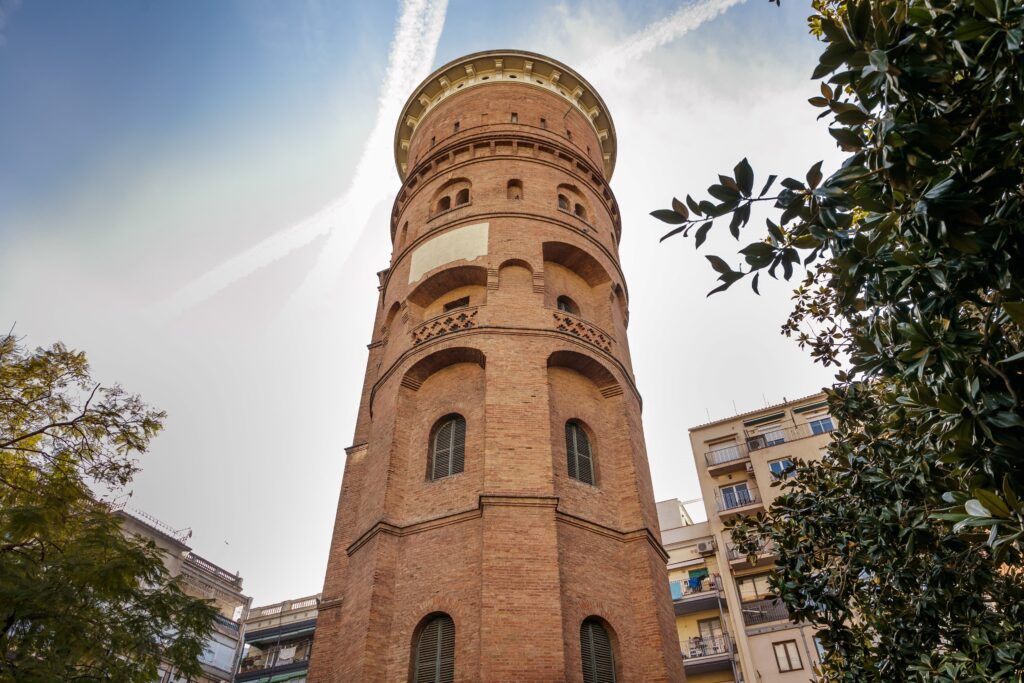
(505, 66)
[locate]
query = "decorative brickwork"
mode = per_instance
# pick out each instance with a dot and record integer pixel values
(518, 553)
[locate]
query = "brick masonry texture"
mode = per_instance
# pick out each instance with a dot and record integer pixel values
(512, 548)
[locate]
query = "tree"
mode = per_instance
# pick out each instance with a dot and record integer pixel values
(79, 599)
(904, 544)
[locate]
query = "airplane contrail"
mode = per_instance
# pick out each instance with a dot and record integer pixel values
(411, 56)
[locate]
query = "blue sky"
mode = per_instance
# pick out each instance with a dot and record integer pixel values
(148, 150)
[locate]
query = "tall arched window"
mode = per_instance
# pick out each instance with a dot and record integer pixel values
(567, 305)
(596, 650)
(462, 197)
(447, 447)
(515, 189)
(577, 451)
(563, 202)
(444, 203)
(434, 656)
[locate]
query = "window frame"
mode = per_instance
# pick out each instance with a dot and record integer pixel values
(789, 660)
(817, 422)
(573, 454)
(438, 660)
(595, 623)
(786, 472)
(456, 452)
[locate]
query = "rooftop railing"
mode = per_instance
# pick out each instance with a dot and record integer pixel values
(210, 567)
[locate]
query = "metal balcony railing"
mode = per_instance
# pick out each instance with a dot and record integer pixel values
(737, 499)
(290, 653)
(706, 646)
(763, 611)
(734, 553)
(702, 586)
(766, 439)
(721, 456)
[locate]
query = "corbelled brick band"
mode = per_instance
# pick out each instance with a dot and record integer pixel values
(504, 304)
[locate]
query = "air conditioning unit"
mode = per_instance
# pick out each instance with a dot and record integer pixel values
(756, 443)
(706, 548)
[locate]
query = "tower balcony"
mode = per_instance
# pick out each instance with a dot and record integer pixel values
(588, 332)
(446, 323)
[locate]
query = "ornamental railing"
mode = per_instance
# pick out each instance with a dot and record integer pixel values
(567, 322)
(446, 323)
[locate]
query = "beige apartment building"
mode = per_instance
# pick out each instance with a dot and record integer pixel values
(730, 629)
(279, 641)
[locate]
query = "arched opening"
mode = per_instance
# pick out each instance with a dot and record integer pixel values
(447, 455)
(579, 211)
(590, 368)
(515, 189)
(462, 197)
(433, 655)
(459, 188)
(439, 360)
(443, 204)
(576, 260)
(389, 319)
(578, 452)
(430, 296)
(596, 652)
(575, 203)
(405, 234)
(563, 202)
(567, 305)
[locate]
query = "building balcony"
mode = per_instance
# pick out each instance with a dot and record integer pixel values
(281, 658)
(757, 612)
(738, 503)
(446, 323)
(764, 555)
(761, 440)
(588, 332)
(696, 595)
(707, 654)
(728, 459)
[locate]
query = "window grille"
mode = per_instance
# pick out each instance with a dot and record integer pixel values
(596, 652)
(447, 448)
(435, 652)
(577, 448)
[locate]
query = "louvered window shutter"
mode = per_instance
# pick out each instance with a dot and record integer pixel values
(440, 459)
(458, 445)
(596, 651)
(577, 447)
(435, 652)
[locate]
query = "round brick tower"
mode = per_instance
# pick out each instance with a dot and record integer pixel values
(496, 519)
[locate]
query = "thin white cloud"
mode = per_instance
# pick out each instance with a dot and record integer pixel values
(410, 57)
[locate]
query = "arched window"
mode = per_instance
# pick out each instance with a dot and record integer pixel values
(462, 197)
(580, 211)
(563, 202)
(515, 189)
(567, 305)
(447, 447)
(596, 651)
(444, 203)
(434, 656)
(577, 451)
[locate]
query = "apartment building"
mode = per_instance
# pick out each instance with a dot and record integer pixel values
(201, 578)
(730, 628)
(278, 641)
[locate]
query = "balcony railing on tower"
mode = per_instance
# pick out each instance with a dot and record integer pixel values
(567, 322)
(446, 323)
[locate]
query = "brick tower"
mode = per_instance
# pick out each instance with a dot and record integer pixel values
(496, 519)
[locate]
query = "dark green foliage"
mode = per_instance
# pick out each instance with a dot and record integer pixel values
(79, 600)
(905, 543)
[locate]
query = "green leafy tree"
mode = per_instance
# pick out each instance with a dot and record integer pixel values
(904, 543)
(80, 600)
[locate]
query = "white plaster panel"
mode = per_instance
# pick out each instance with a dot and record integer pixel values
(466, 243)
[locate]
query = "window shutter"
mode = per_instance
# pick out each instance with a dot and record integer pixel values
(441, 459)
(458, 445)
(596, 651)
(585, 463)
(435, 652)
(570, 448)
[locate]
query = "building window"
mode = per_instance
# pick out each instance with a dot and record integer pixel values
(773, 435)
(787, 656)
(444, 203)
(455, 127)
(563, 202)
(753, 587)
(596, 652)
(735, 496)
(781, 468)
(821, 426)
(434, 659)
(462, 197)
(577, 450)
(580, 211)
(568, 134)
(458, 303)
(433, 140)
(543, 123)
(515, 189)
(567, 305)
(515, 117)
(819, 648)
(447, 447)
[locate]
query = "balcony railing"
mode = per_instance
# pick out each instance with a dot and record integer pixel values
(446, 323)
(722, 456)
(284, 655)
(737, 499)
(220, 573)
(763, 611)
(701, 586)
(774, 437)
(734, 553)
(706, 646)
(567, 322)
